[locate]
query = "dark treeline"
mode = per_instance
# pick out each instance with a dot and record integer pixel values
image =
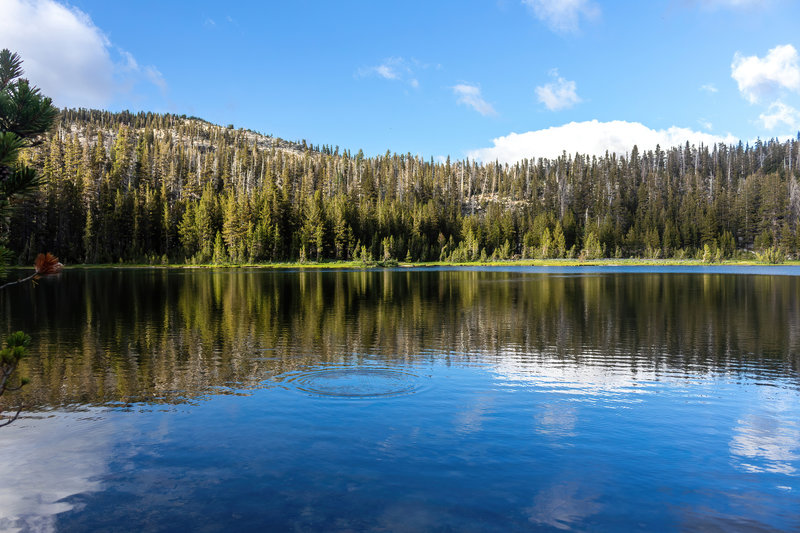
(163, 188)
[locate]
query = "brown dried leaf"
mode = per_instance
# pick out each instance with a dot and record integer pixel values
(47, 264)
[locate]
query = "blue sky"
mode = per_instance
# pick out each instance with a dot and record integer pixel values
(494, 80)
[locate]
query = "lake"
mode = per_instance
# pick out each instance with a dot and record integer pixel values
(473, 399)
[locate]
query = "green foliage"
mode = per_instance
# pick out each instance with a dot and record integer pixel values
(220, 256)
(546, 248)
(388, 248)
(592, 249)
(572, 253)
(10, 145)
(24, 116)
(16, 347)
(504, 252)
(144, 186)
(771, 256)
(364, 256)
(708, 255)
(559, 241)
(727, 245)
(17, 344)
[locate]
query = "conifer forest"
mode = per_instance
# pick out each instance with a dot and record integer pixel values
(155, 188)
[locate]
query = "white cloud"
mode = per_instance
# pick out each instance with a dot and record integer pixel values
(591, 137)
(780, 113)
(67, 56)
(760, 78)
(709, 88)
(563, 16)
(63, 52)
(706, 124)
(394, 69)
(470, 95)
(386, 71)
(561, 94)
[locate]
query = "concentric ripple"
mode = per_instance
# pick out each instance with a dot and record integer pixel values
(352, 382)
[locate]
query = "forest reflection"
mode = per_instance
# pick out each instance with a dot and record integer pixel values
(165, 336)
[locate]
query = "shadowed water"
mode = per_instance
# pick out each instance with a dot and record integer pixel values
(406, 400)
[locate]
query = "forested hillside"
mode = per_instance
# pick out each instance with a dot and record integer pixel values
(163, 188)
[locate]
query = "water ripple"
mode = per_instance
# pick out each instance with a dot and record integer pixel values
(352, 381)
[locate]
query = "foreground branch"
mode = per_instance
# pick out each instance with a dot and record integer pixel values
(22, 280)
(10, 420)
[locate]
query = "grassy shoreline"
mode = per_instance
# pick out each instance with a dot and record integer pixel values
(310, 265)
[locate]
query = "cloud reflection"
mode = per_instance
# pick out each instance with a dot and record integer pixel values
(588, 377)
(562, 505)
(47, 460)
(557, 419)
(767, 441)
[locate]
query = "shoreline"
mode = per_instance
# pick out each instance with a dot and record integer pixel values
(309, 265)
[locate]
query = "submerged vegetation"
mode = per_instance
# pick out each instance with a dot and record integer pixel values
(164, 189)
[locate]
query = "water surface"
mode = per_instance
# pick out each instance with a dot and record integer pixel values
(407, 400)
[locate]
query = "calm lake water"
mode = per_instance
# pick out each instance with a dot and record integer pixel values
(406, 400)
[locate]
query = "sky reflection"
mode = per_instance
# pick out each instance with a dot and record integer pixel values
(47, 458)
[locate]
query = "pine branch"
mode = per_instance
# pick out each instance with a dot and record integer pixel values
(10, 67)
(17, 282)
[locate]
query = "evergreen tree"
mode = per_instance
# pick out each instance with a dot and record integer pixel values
(130, 186)
(25, 116)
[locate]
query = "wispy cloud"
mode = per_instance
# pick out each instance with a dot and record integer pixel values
(560, 94)
(470, 95)
(155, 77)
(759, 78)
(131, 67)
(209, 22)
(709, 88)
(563, 16)
(394, 69)
(130, 64)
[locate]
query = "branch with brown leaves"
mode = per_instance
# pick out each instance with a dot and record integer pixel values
(45, 265)
(17, 343)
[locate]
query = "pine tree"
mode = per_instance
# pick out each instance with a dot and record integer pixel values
(25, 115)
(559, 242)
(163, 181)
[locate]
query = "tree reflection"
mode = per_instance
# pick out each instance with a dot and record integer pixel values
(172, 336)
